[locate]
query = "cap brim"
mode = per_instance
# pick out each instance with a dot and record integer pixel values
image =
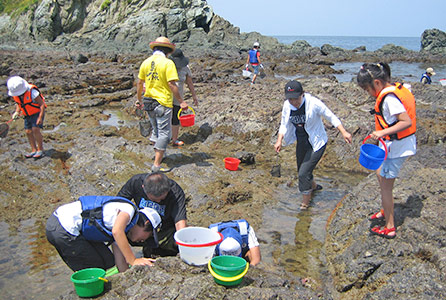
(293, 95)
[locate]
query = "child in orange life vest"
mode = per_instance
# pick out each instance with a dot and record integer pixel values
(395, 122)
(29, 102)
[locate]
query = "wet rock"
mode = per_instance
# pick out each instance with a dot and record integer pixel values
(170, 278)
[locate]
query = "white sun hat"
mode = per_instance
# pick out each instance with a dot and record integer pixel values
(17, 86)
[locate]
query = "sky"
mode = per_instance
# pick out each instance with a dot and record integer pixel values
(395, 18)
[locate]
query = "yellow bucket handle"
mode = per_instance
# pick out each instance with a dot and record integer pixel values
(189, 107)
(228, 279)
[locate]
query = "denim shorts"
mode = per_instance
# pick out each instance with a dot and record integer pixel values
(391, 167)
(256, 69)
(31, 121)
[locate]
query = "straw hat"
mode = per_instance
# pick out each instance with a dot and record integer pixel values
(17, 86)
(162, 41)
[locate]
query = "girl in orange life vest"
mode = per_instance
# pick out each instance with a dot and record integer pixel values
(395, 122)
(30, 102)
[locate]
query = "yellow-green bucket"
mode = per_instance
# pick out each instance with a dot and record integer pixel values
(88, 282)
(228, 270)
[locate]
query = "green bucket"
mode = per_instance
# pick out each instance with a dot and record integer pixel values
(228, 270)
(87, 282)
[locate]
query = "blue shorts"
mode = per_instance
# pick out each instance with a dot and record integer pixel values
(391, 167)
(31, 121)
(256, 69)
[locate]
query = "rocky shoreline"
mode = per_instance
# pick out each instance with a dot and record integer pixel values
(84, 72)
(85, 157)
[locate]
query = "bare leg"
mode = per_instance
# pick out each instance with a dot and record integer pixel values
(159, 154)
(38, 138)
(305, 201)
(254, 78)
(386, 185)
(31, 139)
(175, 131)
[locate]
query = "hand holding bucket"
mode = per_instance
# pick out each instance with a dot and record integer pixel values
(371, 156)
(187, 120)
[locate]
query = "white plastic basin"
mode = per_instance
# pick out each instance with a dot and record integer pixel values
(197, 244)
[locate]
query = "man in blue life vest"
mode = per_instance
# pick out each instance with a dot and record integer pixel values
(239, 239)
(426, 77)
(254, 60)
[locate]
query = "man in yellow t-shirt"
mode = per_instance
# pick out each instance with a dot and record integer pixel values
(159, 75)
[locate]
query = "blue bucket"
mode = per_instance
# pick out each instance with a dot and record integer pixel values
(371, 156)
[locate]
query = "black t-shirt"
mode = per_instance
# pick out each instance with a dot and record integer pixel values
(172, 209)
(297, 118)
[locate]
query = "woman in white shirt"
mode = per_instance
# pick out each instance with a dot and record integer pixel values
(302, 122)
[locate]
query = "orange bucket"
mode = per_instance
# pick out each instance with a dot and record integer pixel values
(187, 120)
(231, 163)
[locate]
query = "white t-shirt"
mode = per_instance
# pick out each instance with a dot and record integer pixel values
(397, 148)
(70, 218)
(34, 94)
(252, 239)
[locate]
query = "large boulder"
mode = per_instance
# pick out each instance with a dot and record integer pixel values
(433, 41)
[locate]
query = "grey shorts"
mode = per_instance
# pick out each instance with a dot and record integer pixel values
(161, 118)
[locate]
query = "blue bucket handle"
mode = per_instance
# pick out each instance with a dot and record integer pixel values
(382, 142)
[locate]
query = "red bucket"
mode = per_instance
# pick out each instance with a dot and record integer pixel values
(231, 163)
(187, 120)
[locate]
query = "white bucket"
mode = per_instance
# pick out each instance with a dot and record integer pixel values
(443, 82)
(197, 244)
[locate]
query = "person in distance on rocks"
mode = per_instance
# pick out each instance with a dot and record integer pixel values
(254, 60)
(426, 77)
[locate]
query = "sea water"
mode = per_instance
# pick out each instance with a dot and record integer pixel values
(408, 72)
(371, 43)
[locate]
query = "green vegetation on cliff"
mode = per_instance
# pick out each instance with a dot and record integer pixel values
(15, 7)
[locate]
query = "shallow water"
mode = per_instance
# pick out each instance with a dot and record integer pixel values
(116, 119)
(29, 268)
(293, 239)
